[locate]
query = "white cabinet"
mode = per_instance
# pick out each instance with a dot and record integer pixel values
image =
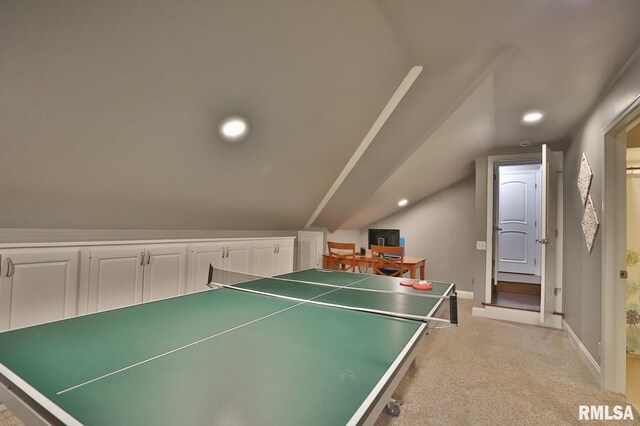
(310, 248)
(37, 285)
(164, 271)
(226, 255)
(272, 257)
(46, 284)
(125, 275)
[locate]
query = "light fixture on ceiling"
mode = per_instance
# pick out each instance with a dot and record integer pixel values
(234, 129)
(403, 202)
(532, 117)
(524, 143)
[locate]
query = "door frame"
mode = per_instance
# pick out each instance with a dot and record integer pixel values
(492, 160)
(536, 206)
(614, 232)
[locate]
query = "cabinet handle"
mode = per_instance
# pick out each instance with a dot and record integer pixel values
(227, 248)
(142, 258)
(11, 268)
(148, 257)
(278, 248)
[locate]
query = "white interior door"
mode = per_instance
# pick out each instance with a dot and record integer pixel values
(517, 223)
(549, 232)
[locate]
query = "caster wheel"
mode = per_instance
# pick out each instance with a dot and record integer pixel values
(392, 410)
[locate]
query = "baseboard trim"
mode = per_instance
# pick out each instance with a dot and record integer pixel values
(585, 356)
(516, 315)
(464, 294)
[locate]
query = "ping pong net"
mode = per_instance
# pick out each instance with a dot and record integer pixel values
(373, 294)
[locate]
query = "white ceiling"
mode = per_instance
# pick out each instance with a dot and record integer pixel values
(108, 110)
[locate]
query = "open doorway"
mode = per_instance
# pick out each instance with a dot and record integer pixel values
(544, 307)
(632, 294)
(517, 224)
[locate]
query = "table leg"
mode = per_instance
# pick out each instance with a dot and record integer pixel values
(422, 271)
(412, 272)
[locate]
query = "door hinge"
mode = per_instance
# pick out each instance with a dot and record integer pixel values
(535, 185)
(535, 262)
(494, 178)
(556, 233)
(624, 274)
(557, 290)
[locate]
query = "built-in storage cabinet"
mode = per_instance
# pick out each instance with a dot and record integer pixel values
(272, 257)
(227, 255)
(126, 275)
(55, 281)
(37, 285)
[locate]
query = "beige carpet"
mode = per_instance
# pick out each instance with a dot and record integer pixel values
(6, 419)
(488, 372)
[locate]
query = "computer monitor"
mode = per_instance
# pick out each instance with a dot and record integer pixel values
(384, 237)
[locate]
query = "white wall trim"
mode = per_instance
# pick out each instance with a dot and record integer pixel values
(517, 315)
(79, 238)
(585, 356)
(464, 294)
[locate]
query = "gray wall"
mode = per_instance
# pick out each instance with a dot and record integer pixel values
(440, 229)
(582, 273)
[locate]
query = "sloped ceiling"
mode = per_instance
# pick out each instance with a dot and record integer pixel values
(108, 110)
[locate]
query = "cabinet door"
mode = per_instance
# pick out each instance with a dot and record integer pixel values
(115, 277)
(201, 256)
(37, 285)
(164, 271)
(239, 256)
(264, 253)
(284, 257)
(310, 247)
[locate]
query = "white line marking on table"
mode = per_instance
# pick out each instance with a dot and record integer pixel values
(201, 340)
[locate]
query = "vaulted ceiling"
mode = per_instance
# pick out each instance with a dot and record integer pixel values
(109, 110)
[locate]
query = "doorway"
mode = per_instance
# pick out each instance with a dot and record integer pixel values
(618, 317)
(517, 220)
(632, 294)
(547, 307)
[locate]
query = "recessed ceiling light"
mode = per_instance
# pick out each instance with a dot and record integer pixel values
(532, 117)
(525, 143)
(403, 202)
(234, 129)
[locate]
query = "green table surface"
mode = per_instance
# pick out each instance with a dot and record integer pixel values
(295, 364)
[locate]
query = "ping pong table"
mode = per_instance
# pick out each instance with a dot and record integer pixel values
(224, 356)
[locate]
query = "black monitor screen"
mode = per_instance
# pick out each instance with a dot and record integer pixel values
(384, 237)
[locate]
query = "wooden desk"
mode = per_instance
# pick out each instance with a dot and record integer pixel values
(411, 263)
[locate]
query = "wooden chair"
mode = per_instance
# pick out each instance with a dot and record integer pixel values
(342, 256)
(388, 261)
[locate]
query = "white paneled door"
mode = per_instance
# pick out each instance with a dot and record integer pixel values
(115, 277)
(37, 285)
(517, 219)
(164, 274)
(550, 170)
